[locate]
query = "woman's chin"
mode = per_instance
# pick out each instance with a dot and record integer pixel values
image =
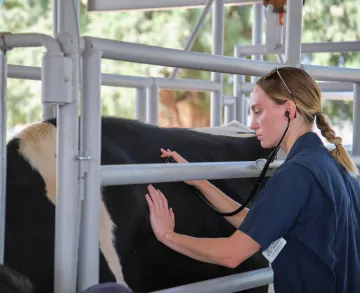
(266, 145)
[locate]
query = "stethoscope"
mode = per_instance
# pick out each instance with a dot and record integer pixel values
(258, 165)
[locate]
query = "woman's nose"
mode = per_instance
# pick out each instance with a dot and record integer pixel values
(253, 124)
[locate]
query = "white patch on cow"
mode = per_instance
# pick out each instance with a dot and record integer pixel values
(106, 240)
(38, 146)
(233, 129)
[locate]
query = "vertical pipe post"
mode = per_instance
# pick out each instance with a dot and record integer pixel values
(3, 77)
(257, 28)
(257, 35)
(293, 33)
(356, 120)
(152, 104)
(217, 49)
(237, 92)
(246, 110)
(67, 195)
(91, 123)
(55, 23)
(140, 104)
(66, 213)
(257, 31)
(229, 113)
(49, 111)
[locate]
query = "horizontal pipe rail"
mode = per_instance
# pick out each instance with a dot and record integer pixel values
(228, 284)
(139, 53)
(331, 73)
(331, 47)
(324, 87)
(229, 100)
(155, 173)
(125, 81)
(187, 84)
(110, 5)
(11, 41)
(24, 72)
(34, 73)
(328, 47)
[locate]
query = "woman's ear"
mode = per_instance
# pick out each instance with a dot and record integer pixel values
(291, 108)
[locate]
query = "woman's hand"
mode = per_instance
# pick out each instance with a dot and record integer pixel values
(162, 218)
(178, 159)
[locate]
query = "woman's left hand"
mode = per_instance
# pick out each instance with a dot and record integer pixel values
(162, 218)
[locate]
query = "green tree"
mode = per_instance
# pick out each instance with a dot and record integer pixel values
(333, 21)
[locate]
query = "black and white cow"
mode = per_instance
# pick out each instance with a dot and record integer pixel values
(129, 252)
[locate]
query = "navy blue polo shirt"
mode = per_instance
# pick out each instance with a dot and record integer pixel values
(314, 204)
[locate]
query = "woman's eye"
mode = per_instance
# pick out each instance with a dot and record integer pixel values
(257, 112)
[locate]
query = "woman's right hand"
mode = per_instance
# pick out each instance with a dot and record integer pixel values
(179, 159)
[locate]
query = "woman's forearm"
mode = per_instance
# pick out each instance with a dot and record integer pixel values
(222, 202)
(210, 250)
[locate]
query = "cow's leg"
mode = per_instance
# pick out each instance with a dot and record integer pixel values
(106, 239)
(38, 147)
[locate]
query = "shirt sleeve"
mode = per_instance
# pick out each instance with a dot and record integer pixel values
(278, 204)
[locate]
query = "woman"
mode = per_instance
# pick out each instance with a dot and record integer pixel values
(308, 212)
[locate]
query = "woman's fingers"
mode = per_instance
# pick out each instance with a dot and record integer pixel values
(172, 214)
(157, 200)
(165, 153)
(177, 157)
(168, 153)
(163, 199)
(150, 203)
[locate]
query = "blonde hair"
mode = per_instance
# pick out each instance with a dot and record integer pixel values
(307, 96)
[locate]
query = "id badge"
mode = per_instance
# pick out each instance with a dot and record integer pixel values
(274, 249)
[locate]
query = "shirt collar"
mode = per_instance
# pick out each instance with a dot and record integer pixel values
(307, 140)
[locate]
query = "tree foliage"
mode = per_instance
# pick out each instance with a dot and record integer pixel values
(333, 21)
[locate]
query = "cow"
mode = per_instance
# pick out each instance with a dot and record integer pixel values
(129, 252)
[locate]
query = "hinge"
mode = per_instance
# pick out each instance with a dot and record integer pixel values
(84, 164)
